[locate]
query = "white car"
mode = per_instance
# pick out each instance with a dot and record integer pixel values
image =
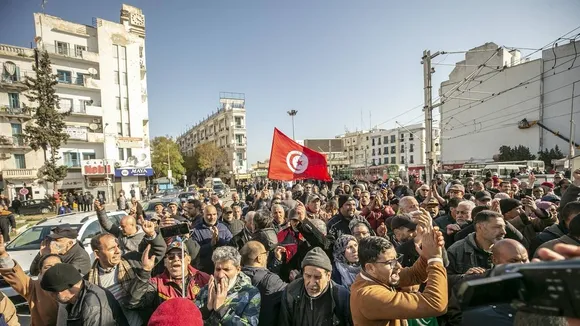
(24, 247)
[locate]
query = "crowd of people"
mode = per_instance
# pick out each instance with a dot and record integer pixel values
(354, 253)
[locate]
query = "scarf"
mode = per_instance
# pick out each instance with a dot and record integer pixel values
(348, 271)
(125, 276)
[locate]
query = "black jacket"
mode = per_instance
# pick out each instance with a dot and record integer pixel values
(510, 232)
(126, 243)
(552, 232)
(338, 225)
(7, 221)
(267, 237)
(76, 256)
(235, 226)
(95, 306)
(271, 288)
(299, 309)
(240, 239)
(465, 254)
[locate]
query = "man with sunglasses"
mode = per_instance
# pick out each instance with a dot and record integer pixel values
(375, 295)
(147, 292)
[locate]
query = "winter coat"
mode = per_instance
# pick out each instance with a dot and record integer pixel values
(127, 243)
(530, 226)
(299, 309)
(235, 226)
(76, 256)
(552, 232)
(565, 239)
(241, 307)
(202, 235)
(240, 239)
(510, 232)
(267, 237)
(465, 254)
(271, 288)
(94, 306)
(338, 225)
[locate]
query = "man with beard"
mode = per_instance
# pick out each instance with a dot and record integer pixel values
(43, 307)
(403, 229)
(209, 235)
(240, 239)
(83, 303)
(375, 298)
(432, 207)
(236, 199)
(462, 219)
(234, 225)
(483, 198)
(278, 217)
(147, 292)
(229, 298)
(315, 299)
(313, 207)
(475, 249)
(338, 224)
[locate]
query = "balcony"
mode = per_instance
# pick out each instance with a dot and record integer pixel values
(15, 141)
(94, 110)
(27, 174)
(72, 52)
(11, 50)
(15, 112)
(15, 82)
(84, 82)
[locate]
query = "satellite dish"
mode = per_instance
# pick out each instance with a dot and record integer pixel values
(93, 126)
(92, 71)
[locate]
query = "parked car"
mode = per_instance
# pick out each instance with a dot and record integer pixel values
(184, 195)
(35, 206)
(220, 190)
(24, 247)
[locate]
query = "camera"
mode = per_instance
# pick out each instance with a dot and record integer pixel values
(174, 230)
(545, 288)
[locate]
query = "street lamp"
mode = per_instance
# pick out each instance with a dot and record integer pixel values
(292, 114)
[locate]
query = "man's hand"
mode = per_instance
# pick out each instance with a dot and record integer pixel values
(528, 202)
(221, 294)
(215, 234)
(382, 230)
(495, 206)
(149, 228)
(211, 294)
(3, 253)
(576, 177)
(560, 252)
(45, 247)
(147, 262)
(167, 221)
(475, 270)
(431, 243)
(300, 211)
(531, 180)
(452, 228)
(97, 204)
(278, 252)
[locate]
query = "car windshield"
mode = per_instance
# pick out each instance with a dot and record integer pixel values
(218, 186)
(31, 238)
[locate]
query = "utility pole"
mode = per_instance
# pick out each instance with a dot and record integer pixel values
(292, 114)
(572, 123)
(428, 108)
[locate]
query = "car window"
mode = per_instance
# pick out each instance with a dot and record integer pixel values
(91, 231)
(30, 239)
(115, 218)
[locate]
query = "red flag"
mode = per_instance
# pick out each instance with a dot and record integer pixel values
(292, 161)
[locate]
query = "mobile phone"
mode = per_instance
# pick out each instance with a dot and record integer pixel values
(174, 230)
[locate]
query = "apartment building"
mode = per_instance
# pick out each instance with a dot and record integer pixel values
(356, 145)
(102, 83)
(226, 128)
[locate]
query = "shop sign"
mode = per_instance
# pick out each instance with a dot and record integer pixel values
(130, 142)
(72, 184)
(134, 172)
(96, 167)
(77, 133)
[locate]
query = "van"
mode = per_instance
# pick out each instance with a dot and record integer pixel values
(211, 182)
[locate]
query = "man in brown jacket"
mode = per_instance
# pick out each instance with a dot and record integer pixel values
(375, 298)
(43, 306)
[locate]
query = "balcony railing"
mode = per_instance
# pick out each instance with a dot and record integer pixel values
(13, 141)
(73, 52)
(93, 110)
(9, 110)
(76, 81)
(19, 174)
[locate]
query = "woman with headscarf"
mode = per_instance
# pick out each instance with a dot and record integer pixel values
(346, 264)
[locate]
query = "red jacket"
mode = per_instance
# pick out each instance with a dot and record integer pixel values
(289, 239)
(168, 289)
(377, 216)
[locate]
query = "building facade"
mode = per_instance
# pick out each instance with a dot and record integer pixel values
(356, 145)
(487, 110)
(333, 149)
(102, 83)
(226, 128)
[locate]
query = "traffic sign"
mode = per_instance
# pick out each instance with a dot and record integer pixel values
(23, 191)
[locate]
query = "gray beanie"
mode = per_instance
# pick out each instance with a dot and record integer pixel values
(317, 258)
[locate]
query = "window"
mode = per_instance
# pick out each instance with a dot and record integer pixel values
(402, 148)
(121, 154)
(19, 161)
(115, 51)
(402, 160)
(373, 151)
(129, 152)
(240, 140)
(239, 122)
(411, 148)
(92, 231)
(240, 159)
(62, 48)
(386, 140)
(373, 142)
(411, 136)
(14, 100)
(127, 130)
(393, 149)
(411, 159)
(402, 136)
(11, 76)
(116, 77)
(72, 159)
(393, 139)
(124, 78)
(80, 79)
(386, 150)
(379, 152)
(118, 102)
(79, 50)
(89, 156)
(379, 161)
(379, 139)
(126, 103)
(119, 129)
(17, 137)
(393, 160)
(64, 76)
(374, 162)
(123, 52)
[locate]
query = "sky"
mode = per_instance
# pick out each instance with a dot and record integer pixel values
(343, 65)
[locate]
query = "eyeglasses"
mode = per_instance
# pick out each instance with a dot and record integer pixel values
(172, 256)
(392, 262)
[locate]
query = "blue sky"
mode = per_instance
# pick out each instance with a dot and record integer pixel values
(328, 59)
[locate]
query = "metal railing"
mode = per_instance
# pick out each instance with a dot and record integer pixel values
(70, 50)
(73, 81)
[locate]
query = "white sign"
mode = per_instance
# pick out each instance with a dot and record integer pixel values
(72, 183)
(77, 133)
(130, 142)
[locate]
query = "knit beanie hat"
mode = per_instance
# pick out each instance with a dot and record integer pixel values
(176, 312)
(343, 199)
(507, 205)
(317, 258)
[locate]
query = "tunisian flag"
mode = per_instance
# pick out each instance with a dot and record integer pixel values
(292, 161)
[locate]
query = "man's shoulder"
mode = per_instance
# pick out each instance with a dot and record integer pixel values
(458, 246)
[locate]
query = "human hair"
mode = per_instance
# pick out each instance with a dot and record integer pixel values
(226, 253)
(570, 210)
(332, 204)
(468, 203)
(262, 220)
(504, 183)
(356, 222)
(485, 216)
(44, 258)
(478, 209)
(276, 206)
(478, 183)
(96, 241)
(250, 217)
(370, 248)
(319, 225)
(454, 202)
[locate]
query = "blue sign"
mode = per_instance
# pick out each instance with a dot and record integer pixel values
(134, 172)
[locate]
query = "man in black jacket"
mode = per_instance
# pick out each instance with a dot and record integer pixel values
(271, 286)
(339, 223)
(85, 303)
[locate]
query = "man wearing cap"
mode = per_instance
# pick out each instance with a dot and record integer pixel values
(234, 225)
(147, 292)
(43, 307)
(338, 224)
(356, 192)
(127, 232)
(403, 229)
(432, 207)
(63, 242)
(83, 303)
(483, 198)
(313, 207)
(519, 214)
(401, 190)
(315, 299)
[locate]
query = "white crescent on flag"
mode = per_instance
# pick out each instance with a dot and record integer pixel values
(297, 162)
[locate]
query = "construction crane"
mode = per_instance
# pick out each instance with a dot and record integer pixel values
(525, 124)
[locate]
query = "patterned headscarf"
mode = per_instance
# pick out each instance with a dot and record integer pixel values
(340, 248)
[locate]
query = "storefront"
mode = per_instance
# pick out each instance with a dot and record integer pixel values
(128, 179)
(74, 182)
(97, 175)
